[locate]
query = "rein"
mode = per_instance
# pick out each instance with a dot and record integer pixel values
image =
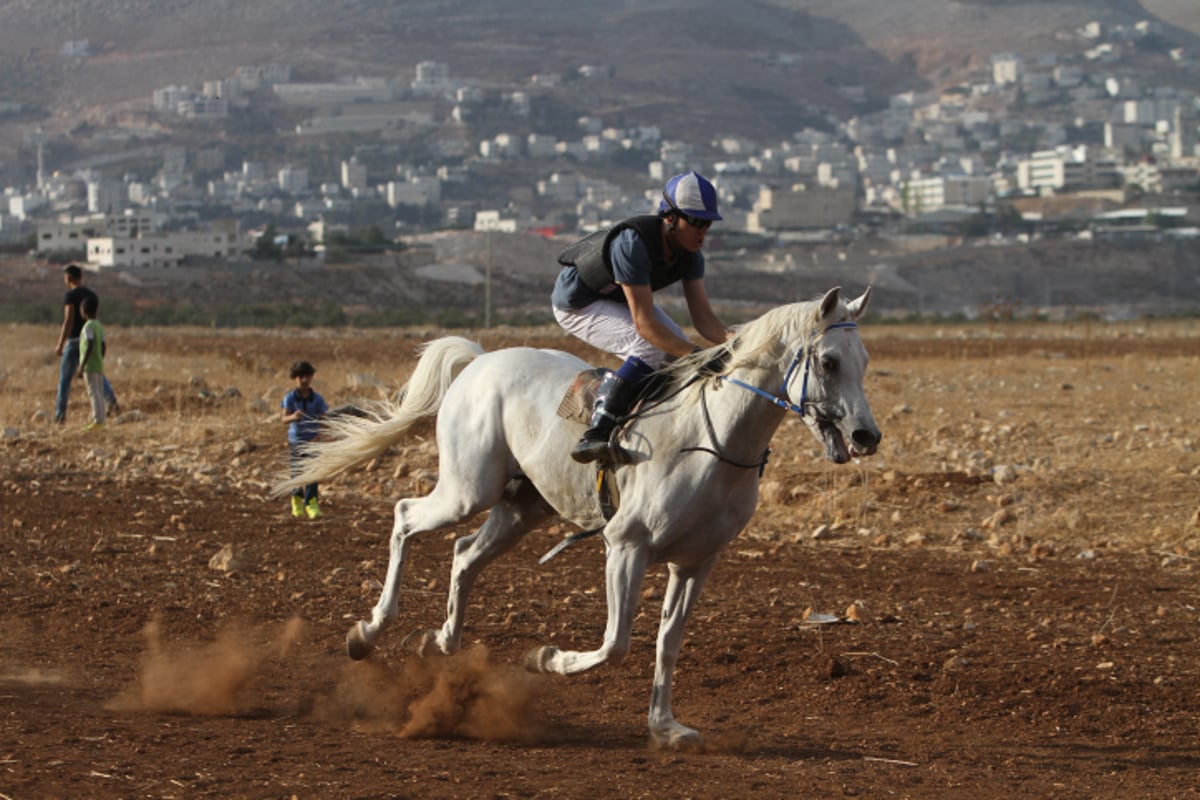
(715, 450)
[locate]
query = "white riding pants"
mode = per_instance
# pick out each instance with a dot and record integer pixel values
(608, 325)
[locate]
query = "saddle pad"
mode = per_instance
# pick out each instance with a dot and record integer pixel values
(577, 403)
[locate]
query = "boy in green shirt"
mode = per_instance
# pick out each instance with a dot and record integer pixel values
(92, 349)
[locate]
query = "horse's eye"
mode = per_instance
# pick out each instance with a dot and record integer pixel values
(829, 363)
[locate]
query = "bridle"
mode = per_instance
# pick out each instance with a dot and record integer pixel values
(803, 355)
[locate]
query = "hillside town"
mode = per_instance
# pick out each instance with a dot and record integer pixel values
(1080, 143)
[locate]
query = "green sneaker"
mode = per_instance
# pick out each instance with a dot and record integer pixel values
(313, 510)
(297, 506)
(94, 426)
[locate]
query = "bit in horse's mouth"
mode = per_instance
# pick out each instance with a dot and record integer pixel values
(835, 443)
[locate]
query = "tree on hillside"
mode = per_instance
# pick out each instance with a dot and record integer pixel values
(266, 248)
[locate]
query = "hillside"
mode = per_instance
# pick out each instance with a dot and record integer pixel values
(440, 279)
(1184, 14)
(705, 65)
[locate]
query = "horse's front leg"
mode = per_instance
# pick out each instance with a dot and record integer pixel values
(683, 587)
(624, 568)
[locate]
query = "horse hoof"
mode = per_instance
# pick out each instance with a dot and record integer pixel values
(357, 646)
(538, 659)
(420, 643)
(676, 737)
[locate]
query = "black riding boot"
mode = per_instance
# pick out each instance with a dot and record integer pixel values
(613, 399)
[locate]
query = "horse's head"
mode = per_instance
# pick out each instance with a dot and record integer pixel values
(827, 380)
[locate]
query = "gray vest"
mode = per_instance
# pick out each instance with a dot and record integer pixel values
(590, 255)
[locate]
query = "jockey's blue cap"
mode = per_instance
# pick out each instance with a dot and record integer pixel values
(692, 194)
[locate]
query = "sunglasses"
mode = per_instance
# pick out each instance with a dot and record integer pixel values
(698, 224)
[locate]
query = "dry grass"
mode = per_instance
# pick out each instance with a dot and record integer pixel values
(1032, 438)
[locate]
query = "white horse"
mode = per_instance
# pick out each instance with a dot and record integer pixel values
(690, 489)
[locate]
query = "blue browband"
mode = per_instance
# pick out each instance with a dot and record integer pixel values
(805, 353)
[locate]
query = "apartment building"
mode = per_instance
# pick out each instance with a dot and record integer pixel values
(163, 250)
(934, 193)
(1068, 168)
(799, 208)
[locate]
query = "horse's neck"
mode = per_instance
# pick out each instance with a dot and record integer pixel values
(742, 422)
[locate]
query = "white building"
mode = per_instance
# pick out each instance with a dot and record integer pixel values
(502, 145)
(62, 236)
(1184, 134)
(22, 206)
(163, 250)
(1148, 111)
(199, 107)
(169, 98)
(492, 220)
(354, 176)
(418, 190)
(293, 180)
(561, 187)
(74, 234)
(253, 77)
(106, 196)
(433, 78)
(1156, 178)
(924, 195)
(132, 223)
(362, 90)
(540, 145)
(223, 89)
(1067, 168)
(797, 208)
(1123, 136)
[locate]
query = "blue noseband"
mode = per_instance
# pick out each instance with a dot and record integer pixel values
(804, 354)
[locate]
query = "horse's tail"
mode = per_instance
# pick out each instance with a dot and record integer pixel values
(355, 438)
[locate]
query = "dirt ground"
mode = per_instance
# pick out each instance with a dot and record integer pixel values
(1010, 587)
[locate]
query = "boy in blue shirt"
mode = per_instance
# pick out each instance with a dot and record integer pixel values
(302, 410)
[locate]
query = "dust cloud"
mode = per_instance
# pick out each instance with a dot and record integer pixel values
(201, 679)
(30, 676)
(463, 695)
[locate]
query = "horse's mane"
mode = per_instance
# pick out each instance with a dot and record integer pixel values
(754, 342)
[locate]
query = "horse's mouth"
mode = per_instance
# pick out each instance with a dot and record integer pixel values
(835, 443)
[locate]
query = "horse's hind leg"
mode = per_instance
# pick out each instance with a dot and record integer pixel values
(520, 510)
(444, 506)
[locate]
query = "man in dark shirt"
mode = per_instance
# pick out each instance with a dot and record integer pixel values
(604, 295)
(68, 344)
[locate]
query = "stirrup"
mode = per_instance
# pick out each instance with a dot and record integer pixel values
(603, 450)
(586, 450)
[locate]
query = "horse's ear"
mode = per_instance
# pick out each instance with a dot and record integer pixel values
(857, 306)
(830, 301)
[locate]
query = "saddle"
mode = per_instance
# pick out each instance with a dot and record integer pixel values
(579, 399)
(576, 404)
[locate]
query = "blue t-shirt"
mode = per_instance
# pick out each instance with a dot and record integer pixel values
(313, 408)
(631, 265)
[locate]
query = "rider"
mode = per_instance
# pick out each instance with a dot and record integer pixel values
(604, 295)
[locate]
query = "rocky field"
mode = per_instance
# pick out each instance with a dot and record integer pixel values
(1002, 601)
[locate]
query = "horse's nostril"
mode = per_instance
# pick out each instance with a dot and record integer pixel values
(865, 439)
